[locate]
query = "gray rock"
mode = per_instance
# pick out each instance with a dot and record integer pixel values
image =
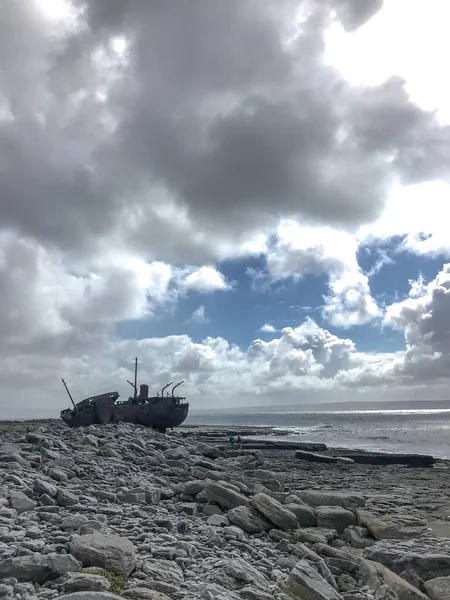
(38, 568)
(163, 570)
(274, 511)
(429, 557)
(66, 498)
(21, 503)
(89, 596)
(44, 487)
(317, 498)
(396, 528)
(207, 450)
(84, 582)
(306, 516)
(192, 488)
(335, 517)
(305, 583)
(248, 519)
(217, 521)
(374, 575)
(244, 572)
(109, 552)
(438, 588)
(189, 508)
(142, 593)
(223, 496)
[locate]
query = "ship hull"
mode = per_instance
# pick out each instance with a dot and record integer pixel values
(159, 416)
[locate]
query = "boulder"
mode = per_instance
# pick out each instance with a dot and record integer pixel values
(21, 503)
(438, 588)
(428, 557)
(374, 575)
(317, 498)
(225, 497)
(396, 528)
(109, 552)
(84, 582)
(304, 582)
(248, 519)
(244, 572)
(274, 511)
(38, 568)
(335, 517)
(66, 498)
(89, 596)
(207, 450)
(44, 487)
(306, 516)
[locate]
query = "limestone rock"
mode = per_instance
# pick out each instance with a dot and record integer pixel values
(244, 572)
(89, 596)
(374, 575)
(429, 557)
(223, 496)
(335, 517)
(248, 519)
(21, 503)
(438, 588)
(85, 582)
(110, 552)
(305, 583)
(345, 500)
(38, 568)
(306, 516)
(274, 511)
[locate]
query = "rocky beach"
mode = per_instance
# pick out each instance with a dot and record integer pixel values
(119, 510)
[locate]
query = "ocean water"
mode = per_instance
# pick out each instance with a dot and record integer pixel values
(404, 431)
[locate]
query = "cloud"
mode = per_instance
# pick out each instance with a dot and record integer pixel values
(205, 279)
(424, 318)
(199, 315)
(301, 250)
(141, 143)
(267, 328)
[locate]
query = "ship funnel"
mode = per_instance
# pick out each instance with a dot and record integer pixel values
(175, 386)
(166, 386)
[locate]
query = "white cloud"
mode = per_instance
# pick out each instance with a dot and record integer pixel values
(115, 208)
(199, 315)
(205, 279)
(267, 328)
(301, 251)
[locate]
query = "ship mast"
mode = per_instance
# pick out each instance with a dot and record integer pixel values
(134, 385)
(70, 395)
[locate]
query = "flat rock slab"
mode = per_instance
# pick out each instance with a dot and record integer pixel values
(438, 588)
(38, 568)
(305, 583)
(89, 596)
(223, 496)
(374, 575)
(429, 557)
(318, 498)
(335, 517)
(275, 511)
(321, 458)
(249, 519)
(110, 552)
(379, 458)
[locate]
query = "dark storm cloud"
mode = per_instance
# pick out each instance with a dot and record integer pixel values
(215, 110)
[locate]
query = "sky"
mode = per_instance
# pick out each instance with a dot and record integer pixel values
(252, 197)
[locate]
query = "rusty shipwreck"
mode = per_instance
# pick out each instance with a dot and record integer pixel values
(160, 412)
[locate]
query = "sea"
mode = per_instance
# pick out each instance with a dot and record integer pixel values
(424, 431)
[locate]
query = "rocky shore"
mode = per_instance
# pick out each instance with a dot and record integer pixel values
(124, 511)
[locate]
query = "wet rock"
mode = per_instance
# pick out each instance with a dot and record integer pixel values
(109, 552)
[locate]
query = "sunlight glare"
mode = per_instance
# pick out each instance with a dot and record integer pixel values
(54, 10)
(408, 38)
